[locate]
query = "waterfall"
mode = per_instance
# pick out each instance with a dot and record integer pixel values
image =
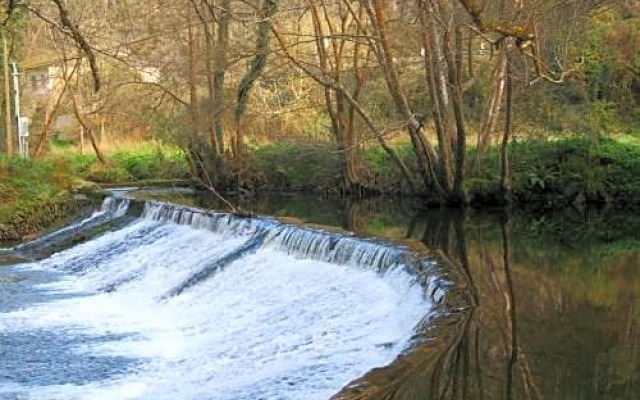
(183, 303)
(115, 206)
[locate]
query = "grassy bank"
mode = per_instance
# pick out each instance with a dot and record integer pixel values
(126, 162)
(550, 172)
(553, 173)
(35, 194)
(570, 170)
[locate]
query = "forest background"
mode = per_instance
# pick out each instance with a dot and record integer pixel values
(455, 102)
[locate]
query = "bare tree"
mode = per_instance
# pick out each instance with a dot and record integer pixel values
(341, 55)
(342, 104)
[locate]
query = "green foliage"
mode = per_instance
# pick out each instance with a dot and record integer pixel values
(296, 166)
(612, 61)
(77, 164)
(34, 179)
(383, 170)
(483, 190)
(603, 92)
(380, 162)
(151, 161)
(569, 169)
(26, 182)
(108, 174)
(316, 166)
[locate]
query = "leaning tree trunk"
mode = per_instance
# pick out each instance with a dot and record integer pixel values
(329, 82)
(87, 128)
(424, 149)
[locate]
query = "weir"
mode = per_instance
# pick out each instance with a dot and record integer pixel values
(338, 248)
(112, 209)
(196, 304)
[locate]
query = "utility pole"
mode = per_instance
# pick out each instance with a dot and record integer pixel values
(8, 126)
(21, 122)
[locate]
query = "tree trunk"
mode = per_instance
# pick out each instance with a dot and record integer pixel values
(505, 173)
(453, 57)
(220, 67)
(421, 145)
(53, 104)
(442, 40)
(267, 12)
(492, 110)
(87, 128)
(208, 53)
(193, 83)
(337, 106)
(435, 69)
(329, 82)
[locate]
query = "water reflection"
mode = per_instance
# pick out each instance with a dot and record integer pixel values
(555, 296)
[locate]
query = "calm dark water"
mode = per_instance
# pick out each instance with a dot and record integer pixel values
(557, 299)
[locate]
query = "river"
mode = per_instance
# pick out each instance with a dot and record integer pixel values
(168, 302)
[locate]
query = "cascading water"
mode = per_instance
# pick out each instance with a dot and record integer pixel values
(186, 304)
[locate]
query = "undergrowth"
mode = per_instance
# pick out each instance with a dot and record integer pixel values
(572, 169)
(578, 169)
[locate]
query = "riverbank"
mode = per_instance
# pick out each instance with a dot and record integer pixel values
(37, 195)
(547, 173)
(43, 193)
(544, 174)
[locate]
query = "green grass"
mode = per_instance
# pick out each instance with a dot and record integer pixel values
(28, 183)
(382, 167)
(598, 169)
(152, 163)
(24, 183)
(567, 169)
(560, 170)
(316, 166)
(126, 162)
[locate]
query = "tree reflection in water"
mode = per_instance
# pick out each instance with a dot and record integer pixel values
(529, 332)
(547, 306)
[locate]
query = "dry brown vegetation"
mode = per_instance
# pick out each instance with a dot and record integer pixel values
(221, 77)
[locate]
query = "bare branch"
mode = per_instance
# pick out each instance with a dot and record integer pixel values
(67, 23)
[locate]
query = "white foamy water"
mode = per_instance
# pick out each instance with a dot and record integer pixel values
(265, 326)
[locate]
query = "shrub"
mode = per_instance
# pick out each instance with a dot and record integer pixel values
(108, 173)
(152, 163)
(577, 166)
(296, 165)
